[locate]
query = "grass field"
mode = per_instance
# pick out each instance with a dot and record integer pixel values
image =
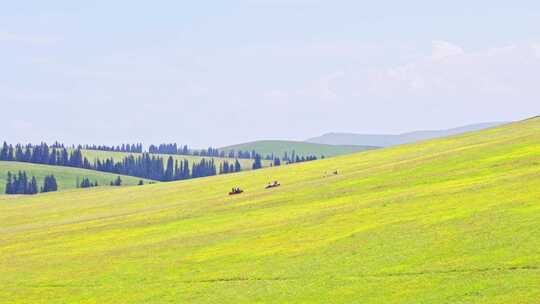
(454, 220)
(118, 156)
(279, 147)
(66, 177)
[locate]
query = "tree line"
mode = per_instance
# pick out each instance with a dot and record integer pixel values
(184, 150)
(21, 184)
(43, 154)
(143, 165)
(86, 183)
(131, 148)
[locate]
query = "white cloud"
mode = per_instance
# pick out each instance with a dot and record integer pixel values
(500, 74)
(441, 49)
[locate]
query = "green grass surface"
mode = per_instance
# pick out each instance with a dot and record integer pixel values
(118, 156)
(454, 220)
(66, 177)
(279, 147)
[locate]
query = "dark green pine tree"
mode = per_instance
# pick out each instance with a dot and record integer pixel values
(237, 166)
(186, 173)
(9, 184)
(169, 171)
(257, 164)
(33, 187)
(54, 185)
(22, 184)
(4, 152)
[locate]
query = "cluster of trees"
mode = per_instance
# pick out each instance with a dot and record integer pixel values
(288, 158)
(86, 183)
(294, 158)
(21, 184)
(226, 167)
(55, 155)
(300, 159)
(184, 150)
(152, 167)
(117, 181)
(169, 149)
(212, 152)
(144, 165)
(49, 184)
(135, 148)
(242, 154)
(204, 168)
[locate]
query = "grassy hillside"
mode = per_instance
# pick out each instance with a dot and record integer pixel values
(455, 220)
(118, 156)
(279, 147)
(66, 177)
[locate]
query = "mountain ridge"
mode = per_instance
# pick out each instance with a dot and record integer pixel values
(386, 140)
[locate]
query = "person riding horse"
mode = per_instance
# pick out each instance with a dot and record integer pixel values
(272, 185)
(235, 190)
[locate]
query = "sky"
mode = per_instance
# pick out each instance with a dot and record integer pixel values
(213, 73)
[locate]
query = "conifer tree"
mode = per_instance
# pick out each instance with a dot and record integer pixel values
(169, 172)
(9, 184)
(33, 187)
(257, 164)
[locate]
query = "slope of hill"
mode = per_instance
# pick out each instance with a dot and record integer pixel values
(279, 147)
(454, 220)
(66, 177)
(386, 140)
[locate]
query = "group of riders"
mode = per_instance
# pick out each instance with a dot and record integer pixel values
(237, 190)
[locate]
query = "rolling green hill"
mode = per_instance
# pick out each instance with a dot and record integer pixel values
(66, 177)
(279, 147)
(454, 220)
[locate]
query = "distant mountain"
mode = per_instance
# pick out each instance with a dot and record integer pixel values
(385, 140)
(279, 147)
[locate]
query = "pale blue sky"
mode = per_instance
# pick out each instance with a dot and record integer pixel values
(221, 72)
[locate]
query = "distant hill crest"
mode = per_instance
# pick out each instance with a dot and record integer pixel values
(386, 140)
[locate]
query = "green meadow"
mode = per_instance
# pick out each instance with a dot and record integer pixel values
(454, 220)
(279, 147)
(66, 177)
